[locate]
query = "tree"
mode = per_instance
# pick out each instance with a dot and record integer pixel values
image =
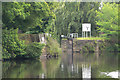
(12, 46)
(107, 21)
(26, 15)
(71, 15)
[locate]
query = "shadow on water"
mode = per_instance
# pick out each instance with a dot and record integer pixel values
(66, 66)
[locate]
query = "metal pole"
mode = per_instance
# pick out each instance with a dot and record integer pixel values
(72, 54)
(90, 33)
(60, 40)
(72, 46)
(86, 33)
(82, 34)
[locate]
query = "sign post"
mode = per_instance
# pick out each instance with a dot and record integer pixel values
(86, 27)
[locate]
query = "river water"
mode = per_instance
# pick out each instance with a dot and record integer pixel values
(68, 65)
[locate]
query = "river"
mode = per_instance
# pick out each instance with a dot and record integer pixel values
(88, 65)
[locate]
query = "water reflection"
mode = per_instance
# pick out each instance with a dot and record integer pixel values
(86, 71)
(43, 75)
(62, 67)
(113, 74)
(66, 66)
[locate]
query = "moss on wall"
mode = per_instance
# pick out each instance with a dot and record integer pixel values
(85, 46)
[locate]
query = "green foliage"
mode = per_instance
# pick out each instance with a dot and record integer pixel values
(53, 48)
(107, 21)
(49, 17)
(111, 47)
(12, 46)
(34, 50)
(89, 47)
(71, 15)
(102, 46)
(27, 16)
(84, 49)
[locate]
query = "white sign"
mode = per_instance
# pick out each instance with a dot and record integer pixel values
(86, 27)
(62, 35)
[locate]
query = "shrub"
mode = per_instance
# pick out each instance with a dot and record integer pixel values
(91, 47)
(34, 50)
(53, 47)
(112, 47)
(84, 49)
(12, 46)
(88, 47)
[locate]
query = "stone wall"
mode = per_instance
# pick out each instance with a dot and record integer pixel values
(83, 46)
(30, 37)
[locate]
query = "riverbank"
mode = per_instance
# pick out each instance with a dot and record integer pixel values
(89, 45)
(27, 46)
(51, 49)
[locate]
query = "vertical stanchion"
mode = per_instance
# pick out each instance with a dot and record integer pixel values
(72, 46)
(86, 33)
(72, 56)
(90, 33)
(82, 34)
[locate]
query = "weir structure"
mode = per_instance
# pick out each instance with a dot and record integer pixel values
(80, 46)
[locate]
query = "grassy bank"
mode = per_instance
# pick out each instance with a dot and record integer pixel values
(91, 38)
(88, 38)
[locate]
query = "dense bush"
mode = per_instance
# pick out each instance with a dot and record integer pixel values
(12, 46)
(15, 48)
(53, 48)
(33, 50)
(111, 46)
